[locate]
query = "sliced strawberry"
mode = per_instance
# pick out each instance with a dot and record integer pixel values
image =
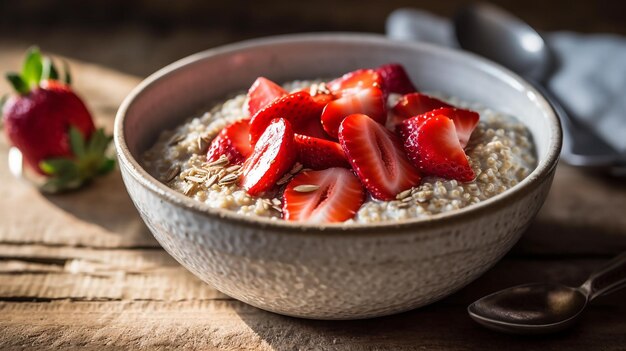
(377, 157)
(395, 79)
(354, 81)
(319, 153)
(465, 121)
(414, 104)
(313, 128)
(323, 99)
(233, 142)
(262, 92)
(368, 101)
(320, 93)
(338, 197)
(273, 155)
(432, 144)
(297, 108)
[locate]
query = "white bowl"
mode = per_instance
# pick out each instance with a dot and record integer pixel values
(331, 271)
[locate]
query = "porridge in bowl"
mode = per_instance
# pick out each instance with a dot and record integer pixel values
(365, 147)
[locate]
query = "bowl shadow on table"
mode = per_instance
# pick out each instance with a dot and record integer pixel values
(443, 325)
(105, 203)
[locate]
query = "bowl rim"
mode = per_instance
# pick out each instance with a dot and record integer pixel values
(532, 181)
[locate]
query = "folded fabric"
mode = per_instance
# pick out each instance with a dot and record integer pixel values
(590, 80)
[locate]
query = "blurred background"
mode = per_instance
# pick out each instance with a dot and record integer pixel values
(138, 37)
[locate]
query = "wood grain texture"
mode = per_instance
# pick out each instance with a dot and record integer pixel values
(231, 325)
(50, 273)
(202, 319)
(80, 270)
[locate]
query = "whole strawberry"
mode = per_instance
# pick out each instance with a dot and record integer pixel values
(52, 128)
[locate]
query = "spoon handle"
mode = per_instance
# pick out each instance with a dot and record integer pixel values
(607, 280)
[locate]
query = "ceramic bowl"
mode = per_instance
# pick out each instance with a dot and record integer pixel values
(331, 271)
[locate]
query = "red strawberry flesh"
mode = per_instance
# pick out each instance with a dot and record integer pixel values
(465, 121)
(377, 157)
(432, 145)
(354, 81)
(368, 101)
(395, 79)
(232, 142)
(318, 153)
(414, 104)
(274, 154)
(323, 99)
(298, 108)
(338, 197)
(313, 128)
(261, 93)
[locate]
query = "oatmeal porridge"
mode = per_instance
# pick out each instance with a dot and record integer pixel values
(426, 155)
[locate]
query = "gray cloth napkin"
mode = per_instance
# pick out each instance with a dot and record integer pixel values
(590, 81)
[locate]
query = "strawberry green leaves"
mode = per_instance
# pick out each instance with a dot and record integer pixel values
(77, 142)
(18, 84)
(49, 71)
(31, 73)
(32, 67)
(63, 175)
(36, 68)
(90, 160)
(67, 77)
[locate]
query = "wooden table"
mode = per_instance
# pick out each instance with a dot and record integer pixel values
(81, 270)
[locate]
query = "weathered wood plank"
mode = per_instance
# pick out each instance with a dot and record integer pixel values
(169, 285)
(39, 272)
(85, 260)
(231, 325)
(86, 274)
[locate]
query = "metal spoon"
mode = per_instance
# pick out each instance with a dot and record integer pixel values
(496, 34)
(544, 308)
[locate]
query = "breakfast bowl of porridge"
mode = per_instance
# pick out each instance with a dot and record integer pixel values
(336, 176)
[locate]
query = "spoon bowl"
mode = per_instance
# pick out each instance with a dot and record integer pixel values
(502, 37)
(546, 308)
(529, 309)
(498, 35)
